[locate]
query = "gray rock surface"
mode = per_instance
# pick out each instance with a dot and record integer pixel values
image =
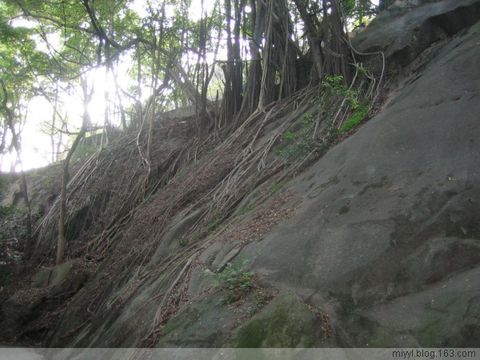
(393, 213)
(403, 32)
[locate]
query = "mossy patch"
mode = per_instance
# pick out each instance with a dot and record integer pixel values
(355, 119)
(8, 210)
(284, 322)
(436, 325)
(207, 322)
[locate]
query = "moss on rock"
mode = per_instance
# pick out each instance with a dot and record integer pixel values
(285, 322)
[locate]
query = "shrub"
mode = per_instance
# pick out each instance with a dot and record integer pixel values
(8, 210)
(359, 105)
(235, 281)
(334, 84)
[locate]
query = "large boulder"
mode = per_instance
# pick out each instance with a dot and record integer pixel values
(391, 215)
(404, 32)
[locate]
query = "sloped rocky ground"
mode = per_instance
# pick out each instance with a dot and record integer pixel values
(387, 230)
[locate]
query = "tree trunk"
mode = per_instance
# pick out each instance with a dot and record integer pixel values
(61, 241)
(265, 86)
(336, 48)
(252, 88)
(313, 36)
(24, 187)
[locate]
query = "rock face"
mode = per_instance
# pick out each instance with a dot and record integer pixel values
(387, 228)
(378, 244)
(403, 32)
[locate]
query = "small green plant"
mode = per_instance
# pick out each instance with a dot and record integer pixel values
(359, 105)
(308, 119)
(276, 187)
(289, 136)
(235, 281)
(8, 210)
(357, 117)
(297, 144)
(334, 84)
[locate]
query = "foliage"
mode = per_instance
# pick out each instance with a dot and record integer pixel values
(356, 118)
(235, 281)
(360, 106)
(335, 85)
(170, 50)
(298, 143)
(276, 187)
(360, 12)
(8, 210)
(21, 65)
(183, 242)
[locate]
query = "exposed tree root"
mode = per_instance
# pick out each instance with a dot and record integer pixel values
(133, 211)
